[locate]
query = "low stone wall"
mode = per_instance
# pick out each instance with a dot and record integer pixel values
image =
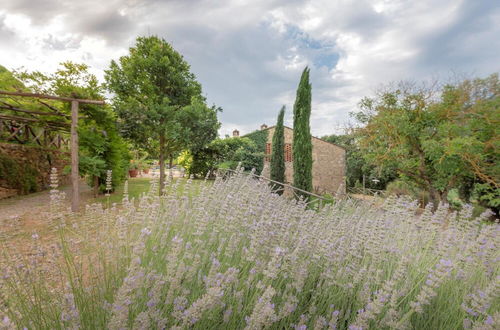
(39, 159)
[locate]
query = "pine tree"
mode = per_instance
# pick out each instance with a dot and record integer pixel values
(302, 146)
(277, 156)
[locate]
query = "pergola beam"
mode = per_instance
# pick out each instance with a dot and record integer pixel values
(31, 111)
(52, 97)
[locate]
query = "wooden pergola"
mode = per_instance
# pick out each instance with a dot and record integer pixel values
(75, 102)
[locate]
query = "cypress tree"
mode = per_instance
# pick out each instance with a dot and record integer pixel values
(278, 156)
(302, 146)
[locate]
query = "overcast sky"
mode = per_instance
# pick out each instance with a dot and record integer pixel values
(248, 55)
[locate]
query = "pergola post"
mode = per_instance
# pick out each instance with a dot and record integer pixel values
(75, 176)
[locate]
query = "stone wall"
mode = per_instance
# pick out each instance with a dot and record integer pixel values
(329, 165)
(40, 159)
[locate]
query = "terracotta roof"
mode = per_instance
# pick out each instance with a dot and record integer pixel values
(317, 138)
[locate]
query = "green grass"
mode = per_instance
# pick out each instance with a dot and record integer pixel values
(139, 186)
(136, 187)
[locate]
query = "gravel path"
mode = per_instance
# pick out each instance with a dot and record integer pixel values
(33, 206)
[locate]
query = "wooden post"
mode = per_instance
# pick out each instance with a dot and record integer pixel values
(75, 194)
(364, 185)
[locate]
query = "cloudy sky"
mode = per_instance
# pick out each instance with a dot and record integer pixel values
(248, 55)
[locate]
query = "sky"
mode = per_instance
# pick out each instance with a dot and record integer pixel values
(248, 55)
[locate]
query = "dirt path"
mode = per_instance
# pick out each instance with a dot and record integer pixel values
(23, 211)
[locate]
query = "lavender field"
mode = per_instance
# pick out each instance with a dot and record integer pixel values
(233, 255)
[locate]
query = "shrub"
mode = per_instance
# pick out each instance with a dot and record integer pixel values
(234, 255)
(22, 177)
(403, 188)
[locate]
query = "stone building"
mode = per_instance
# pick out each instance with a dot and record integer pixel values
(329, 163)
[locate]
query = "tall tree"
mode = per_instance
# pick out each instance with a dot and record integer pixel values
(278, 156)
(302, 145)
(152, 87)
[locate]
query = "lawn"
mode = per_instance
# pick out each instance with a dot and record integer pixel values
(139, 186)
(136, 187)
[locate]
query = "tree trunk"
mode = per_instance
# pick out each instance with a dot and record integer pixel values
(162, 162)
(435, 198)
(170, 164)
(96, 186)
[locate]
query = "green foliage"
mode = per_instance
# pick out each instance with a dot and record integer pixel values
(487, 195)
(278, 151)
(438, 139)
(17, 81)
(185, 159)
(259, 137)
(454, 200)
(18, 176)
(204, 161)
(407, 188)
(302, 145)
(234, 150)
(227, 153)
(8, 82)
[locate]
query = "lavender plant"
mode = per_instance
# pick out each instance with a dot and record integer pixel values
(231, 254)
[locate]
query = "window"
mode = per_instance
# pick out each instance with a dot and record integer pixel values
(268, 152)
(288, 152)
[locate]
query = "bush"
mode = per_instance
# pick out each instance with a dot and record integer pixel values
(22, 177)
(403, 188)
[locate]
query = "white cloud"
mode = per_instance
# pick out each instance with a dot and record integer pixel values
(249, 54)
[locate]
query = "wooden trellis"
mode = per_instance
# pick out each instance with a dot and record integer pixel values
(29, 133)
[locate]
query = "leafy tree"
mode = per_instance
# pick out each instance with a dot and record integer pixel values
(234, 150)
(278, 156)
(100, 145)
(15, 81)
(302, 145)
(8, 81)
(259, 137)
(204, 160)
(437, 139)
(226, 153)
(198, 125)
(159, 100)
